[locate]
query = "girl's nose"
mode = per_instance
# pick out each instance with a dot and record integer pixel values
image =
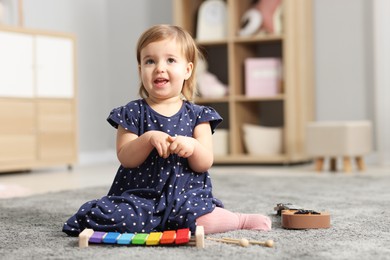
(160, 67)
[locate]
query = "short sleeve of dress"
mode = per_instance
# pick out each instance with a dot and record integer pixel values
(209, 114)
(126, 116)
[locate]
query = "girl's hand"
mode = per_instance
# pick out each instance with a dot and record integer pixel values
(159, 140)
(183, 146)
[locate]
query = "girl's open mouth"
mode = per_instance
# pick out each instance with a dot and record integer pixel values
(160, 82)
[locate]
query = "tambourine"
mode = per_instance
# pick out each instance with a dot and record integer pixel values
(294, 217)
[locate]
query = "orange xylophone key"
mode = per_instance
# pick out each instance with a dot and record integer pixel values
(168, 237)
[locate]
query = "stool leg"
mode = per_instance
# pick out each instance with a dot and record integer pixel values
(360, 163)
(347, 164)
(319, 163)
(333, 164)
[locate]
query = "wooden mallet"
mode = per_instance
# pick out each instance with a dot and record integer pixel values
(242, 242)
(267, 243)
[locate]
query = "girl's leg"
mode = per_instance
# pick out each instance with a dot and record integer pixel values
(222, 220)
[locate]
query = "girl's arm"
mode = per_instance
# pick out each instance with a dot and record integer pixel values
(203, 157)
(198, 149)
(132, 150)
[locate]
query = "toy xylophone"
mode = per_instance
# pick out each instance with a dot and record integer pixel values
(169, 237)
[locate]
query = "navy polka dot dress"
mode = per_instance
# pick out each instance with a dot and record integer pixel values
(160, 194)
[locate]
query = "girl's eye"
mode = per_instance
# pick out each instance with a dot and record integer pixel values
(149, 61)
(171, 60)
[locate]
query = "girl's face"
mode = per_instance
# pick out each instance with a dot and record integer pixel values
(163, 69)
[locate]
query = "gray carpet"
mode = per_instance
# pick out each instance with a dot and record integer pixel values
(358, 203)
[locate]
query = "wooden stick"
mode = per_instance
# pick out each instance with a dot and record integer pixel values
(268, 243)
(242, 242)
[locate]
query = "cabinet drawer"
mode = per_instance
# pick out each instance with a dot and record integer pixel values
(17, 148)
(56, 117)
(57, 146)
(17, 117)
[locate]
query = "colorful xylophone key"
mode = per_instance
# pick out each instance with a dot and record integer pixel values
(125, 239)
(153, 238)
(168, 237)
(111, 238)
(182, 236)
(179, 237)
(139, 239)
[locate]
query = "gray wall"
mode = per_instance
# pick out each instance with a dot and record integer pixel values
(343, 59)
(107, 31)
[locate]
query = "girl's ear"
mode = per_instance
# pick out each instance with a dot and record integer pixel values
(190, 67)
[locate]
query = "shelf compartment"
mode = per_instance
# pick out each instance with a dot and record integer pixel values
(216, 57)
(237, 10)
(266, 113)
(242, 51)
(187, 13)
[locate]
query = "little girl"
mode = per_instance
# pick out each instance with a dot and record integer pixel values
(164, 145)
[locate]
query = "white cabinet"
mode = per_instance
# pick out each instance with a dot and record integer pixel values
(16, 65)
(54, 67)
(36, 66)
(38, 112)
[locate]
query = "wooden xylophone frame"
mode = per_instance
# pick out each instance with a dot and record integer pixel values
(179, 237)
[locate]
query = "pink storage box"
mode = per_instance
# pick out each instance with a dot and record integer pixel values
(262, 77)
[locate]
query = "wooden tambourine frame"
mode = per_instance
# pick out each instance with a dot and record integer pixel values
(298, 218)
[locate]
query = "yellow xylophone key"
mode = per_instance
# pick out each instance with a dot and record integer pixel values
(153, 238)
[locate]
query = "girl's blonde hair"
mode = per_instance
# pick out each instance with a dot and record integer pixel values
(189, 49)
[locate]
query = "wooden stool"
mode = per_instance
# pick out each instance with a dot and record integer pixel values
(344, 139)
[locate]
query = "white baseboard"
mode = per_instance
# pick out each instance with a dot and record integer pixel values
(104, 156)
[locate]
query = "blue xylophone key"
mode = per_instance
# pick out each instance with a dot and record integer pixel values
(111, 237)
(125, 239)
